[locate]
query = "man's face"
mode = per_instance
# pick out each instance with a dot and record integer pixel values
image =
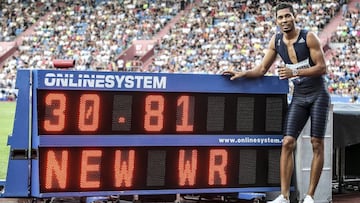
(285, 20)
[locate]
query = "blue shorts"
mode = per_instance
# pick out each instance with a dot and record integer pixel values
(314, 105)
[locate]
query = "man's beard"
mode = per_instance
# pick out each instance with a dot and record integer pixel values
(288, 30)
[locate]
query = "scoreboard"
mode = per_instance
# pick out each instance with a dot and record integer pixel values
(85, 133)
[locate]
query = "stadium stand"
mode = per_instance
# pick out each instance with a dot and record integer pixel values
(202, 36)
(344, 57)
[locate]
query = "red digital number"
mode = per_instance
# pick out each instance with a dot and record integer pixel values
(154, 113)
(185, 124)
(154, 109)
(56, 121)
(89, 112)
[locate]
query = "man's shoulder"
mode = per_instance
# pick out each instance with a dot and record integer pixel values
(277, 38)
(304, 32)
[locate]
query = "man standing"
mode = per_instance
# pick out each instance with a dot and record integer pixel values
(305, 65)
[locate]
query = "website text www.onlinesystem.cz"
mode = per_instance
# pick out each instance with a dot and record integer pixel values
(249, 140)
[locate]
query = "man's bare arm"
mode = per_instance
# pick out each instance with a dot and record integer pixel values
(259, 70)
(317, 56)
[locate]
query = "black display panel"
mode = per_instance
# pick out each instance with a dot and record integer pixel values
(75, 112)
(83, 169)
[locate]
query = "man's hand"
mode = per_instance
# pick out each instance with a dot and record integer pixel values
(285, 73)
(234, 74)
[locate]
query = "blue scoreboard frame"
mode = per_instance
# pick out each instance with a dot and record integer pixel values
(87, 133)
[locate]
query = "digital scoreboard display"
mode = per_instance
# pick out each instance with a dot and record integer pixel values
(101, 133)
(75, 112)
(81, 169)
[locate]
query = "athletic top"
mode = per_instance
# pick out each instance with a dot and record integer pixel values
(301, 84)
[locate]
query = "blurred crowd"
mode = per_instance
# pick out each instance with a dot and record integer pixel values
(18, 16)
(209, 37)
(344, 59)
(218, 35)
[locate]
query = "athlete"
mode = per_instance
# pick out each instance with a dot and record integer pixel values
(305, 66)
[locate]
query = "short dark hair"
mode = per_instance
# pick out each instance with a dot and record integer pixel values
(284, 6)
